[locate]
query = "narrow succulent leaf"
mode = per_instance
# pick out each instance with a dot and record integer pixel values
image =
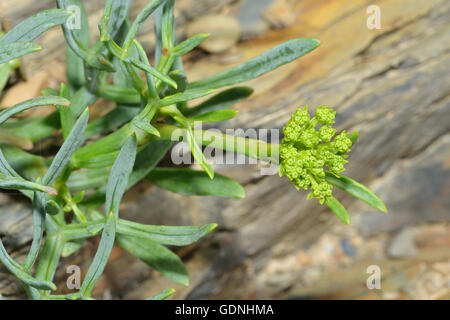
(167, 24)
(118, 179)
(168, 235)
(357, 190)
(146, 126)
(80, 101)
(115, 189)
(106, 146)
(273, 58)
(222, 100)
(35, 102)
(62, 158)
(189, 44)
(338, 209)
(197, 152)
(14, 183)
(156, 256)
(5, 167)
(146, 161)
(65, 114)
(15, 50)
(157, 29)
(119, 14)
(79, 231)
(75, 65)
(140, 19)
(163, 295)
(49, 258)
(148, 76)
(119, 94)
(192, 182)
(34, 26)
(18, 271)
(214, 116)
(101, 257)
(93, 58)
(39, 212)
(157, 74)
(189, 94)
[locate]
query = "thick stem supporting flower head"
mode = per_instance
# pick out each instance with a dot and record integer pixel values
(305, 150)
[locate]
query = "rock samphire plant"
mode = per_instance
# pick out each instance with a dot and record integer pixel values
(100, 159)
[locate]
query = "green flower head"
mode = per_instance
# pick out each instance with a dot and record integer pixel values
(305, 152)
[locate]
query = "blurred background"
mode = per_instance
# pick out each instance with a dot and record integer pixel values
(392, 85)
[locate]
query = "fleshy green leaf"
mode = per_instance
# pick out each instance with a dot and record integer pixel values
(156, 256)
(34, 26)
(338, 209)
(35, 102)
(115, 189)
(189, 44)
(14, 183)
(214, 116)
(273, 58)
(62, 158)
(75, 65)
(192, 182)
(222, 100)
(15, 50)
(17, 270)
(51, 253)
(357, 190)
(120, 172)
(101, 257)
(189, 94)
(168, 235)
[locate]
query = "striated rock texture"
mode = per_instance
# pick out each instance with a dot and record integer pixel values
(391, 85)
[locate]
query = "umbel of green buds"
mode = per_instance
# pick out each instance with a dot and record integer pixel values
(310, 145)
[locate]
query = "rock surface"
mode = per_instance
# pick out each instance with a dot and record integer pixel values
(391, 85)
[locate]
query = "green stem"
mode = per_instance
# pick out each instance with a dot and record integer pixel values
(252, 148)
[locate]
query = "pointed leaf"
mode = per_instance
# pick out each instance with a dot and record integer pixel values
(34, 26)
(156, 256)
(338, 209)
(62, 158)
(253, 68)
(7, 113)
(168, 235)
(120, 172)
(192, 182)
(357, 190)
(189, 94)
(14, 183)
(14, 50)
(214, 116)
(222, 100)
